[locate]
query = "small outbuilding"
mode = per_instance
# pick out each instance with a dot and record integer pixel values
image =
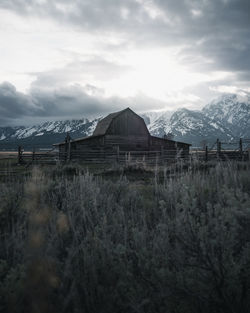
(121, 135)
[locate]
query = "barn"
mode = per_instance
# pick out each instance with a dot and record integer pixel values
(122, 135)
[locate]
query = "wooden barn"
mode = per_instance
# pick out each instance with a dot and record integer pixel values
(120, 136)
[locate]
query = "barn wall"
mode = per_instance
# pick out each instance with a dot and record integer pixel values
(61, 148)
(157, 143)
(85, 144)
(171, 148)
(108, 143)
(184, 148)
(128, 143)
(128, 124)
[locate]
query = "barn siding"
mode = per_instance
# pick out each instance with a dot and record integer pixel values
(127, 142)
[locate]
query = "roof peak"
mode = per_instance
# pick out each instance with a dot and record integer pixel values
(104, 124)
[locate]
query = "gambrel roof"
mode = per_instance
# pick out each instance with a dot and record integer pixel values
(103, 125)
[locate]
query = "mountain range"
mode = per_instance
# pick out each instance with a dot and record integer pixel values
(227, 118)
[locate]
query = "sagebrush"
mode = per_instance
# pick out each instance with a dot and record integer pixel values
(82, 243)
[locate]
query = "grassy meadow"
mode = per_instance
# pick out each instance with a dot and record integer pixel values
(125, 239)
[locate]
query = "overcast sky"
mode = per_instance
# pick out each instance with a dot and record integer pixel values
(81, 58)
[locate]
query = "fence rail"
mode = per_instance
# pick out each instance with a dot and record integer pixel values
(114, 154)
(222, 156)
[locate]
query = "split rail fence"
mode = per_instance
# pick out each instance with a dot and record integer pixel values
(101, 156)
(223, 151)
(219, 151)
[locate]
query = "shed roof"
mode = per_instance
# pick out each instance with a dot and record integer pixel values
(165, 139)
(78, 139)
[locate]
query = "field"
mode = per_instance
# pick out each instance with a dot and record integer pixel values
(133, 239)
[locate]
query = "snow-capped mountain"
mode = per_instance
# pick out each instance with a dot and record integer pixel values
(232, 111)
(158, 123)
(227, 118)
(45, 134)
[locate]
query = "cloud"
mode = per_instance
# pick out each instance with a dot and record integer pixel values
(14, 104)
(217, 30)
(92, 68)
(77, 65)
(231, 90)
(17, 108)
(57, 103)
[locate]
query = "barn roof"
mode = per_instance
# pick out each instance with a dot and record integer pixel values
(78, 139)
(104, 124)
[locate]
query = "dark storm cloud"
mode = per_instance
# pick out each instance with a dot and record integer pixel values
(14, 104)
(61, 103)
(17, 108)
(215, 30)
(70, 101)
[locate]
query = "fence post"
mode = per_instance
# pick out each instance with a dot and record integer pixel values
(67, 147)
(33, 154)
(241, 148)
(206, 153)
(129, 158)
(162, 155)
(19, 157)
(118, 154)
(218, 148)
(69, 150)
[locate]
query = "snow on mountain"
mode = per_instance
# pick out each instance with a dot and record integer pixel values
(233, 111)
(194, 126)
(92, 127)
(2, 137)
(46, 134)
(151, 116)
(158, 123)
(227, 118)
(71, 126)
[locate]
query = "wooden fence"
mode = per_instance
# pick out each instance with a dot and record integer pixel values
(101, 156)
(50, 157)
(218, 151)
(116, 155)
(224, 151)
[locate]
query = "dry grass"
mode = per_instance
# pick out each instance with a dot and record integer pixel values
(177, 242)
